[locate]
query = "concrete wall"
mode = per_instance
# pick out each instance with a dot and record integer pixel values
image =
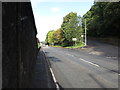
(19, 47)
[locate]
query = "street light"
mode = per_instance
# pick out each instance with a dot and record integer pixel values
(80, 23)
(85, 34)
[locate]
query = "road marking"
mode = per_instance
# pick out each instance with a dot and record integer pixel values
(54, 79)
(112, 57)
(69, 54)
(90, 62)
(84, 60)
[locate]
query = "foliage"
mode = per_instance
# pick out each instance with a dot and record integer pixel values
(50, 38)
(103, 19)
(70, 28)
(76, 46)
(58, 36)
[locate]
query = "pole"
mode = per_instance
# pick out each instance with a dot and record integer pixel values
(85, 34)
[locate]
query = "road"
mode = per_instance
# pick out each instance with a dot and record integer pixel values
(81, 69)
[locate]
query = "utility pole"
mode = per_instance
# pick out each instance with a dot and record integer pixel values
(85, 34)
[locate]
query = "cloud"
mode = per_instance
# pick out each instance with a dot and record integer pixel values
(55, 9)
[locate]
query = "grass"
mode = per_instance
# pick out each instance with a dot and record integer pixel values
(57, 46)
(76, 46)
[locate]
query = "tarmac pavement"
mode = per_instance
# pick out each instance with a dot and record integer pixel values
(42, 76)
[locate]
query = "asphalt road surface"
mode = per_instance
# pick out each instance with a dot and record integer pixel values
(81, 69)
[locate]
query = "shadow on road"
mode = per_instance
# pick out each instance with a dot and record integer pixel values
(46, 52)
(54, 59)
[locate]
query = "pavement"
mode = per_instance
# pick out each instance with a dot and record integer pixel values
(42, 76)
(94, 66)
(103, 49)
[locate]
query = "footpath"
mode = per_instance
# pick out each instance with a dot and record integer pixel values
(42, 77)
(102, 49)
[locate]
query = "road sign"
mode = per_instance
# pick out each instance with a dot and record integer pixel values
(74, 39)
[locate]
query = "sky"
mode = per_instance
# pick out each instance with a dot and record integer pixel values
(49, 14)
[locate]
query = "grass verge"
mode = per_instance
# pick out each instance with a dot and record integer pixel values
(75, 46)
(57, 46)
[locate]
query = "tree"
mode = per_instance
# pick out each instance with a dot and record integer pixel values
(70, 27)
(58, 36)
(103, 19)
(50, 38)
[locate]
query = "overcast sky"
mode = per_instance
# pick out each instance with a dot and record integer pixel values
(49, 15)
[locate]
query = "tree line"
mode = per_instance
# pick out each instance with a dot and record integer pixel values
(102, 20)
(69, 29)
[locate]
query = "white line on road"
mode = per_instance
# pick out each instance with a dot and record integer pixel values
(54, 79)
(69, 54)
(84, 60)
(89, 62)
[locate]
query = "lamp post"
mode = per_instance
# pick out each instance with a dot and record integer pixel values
(80, 23)
(85, 34)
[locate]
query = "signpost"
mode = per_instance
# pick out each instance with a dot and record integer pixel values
(74, 39)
